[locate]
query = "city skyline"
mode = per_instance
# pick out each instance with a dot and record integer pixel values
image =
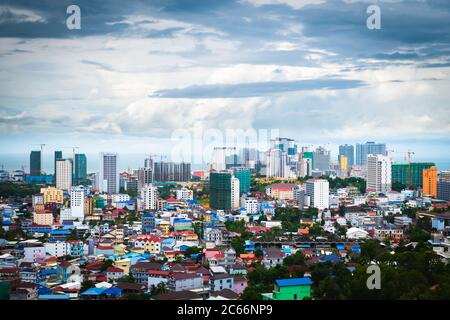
(196, 63)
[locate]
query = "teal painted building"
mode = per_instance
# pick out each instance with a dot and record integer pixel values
(400, 173)
(80, 167)
(244, 180)
(290, 289)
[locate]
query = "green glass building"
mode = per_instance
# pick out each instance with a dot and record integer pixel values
(400, 173)
(58, 156)
(80, 167)
(220, 190)
(244, 180)
(35, 163)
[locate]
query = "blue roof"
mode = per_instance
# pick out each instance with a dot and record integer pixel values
(113, 291)
(60, 232)
(293, 282)
(54, 296)
(48, 272)
(330, 257)
(148, 215)
(93, 291)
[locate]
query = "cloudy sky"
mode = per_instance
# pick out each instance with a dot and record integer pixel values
(138, 71)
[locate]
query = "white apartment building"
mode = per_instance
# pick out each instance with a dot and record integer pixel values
(379, 173)
(251, 205)
(235, 194)
(185, 194)
(318, 191)
(77, 195)
(277, 164)
(56, 249)
(119, 197)
(149, 197)
(64, 174)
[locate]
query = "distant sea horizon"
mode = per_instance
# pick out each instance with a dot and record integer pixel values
(11, 162)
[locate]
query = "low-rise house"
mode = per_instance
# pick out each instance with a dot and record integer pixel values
(239, 284)
(219, 281)
(290, 289)
(114, 273)
(185, 281)
(139, 271)
(273, 257)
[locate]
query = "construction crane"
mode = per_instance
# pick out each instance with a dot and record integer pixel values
(73, 150)
(408, 155)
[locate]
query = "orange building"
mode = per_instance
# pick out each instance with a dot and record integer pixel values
(430, 182)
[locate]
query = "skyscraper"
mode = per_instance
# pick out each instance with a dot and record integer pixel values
(378, 173)
(220, 190)
(58, 155)
(80, 167)
(321, 159)
(64, 174)
(363, 150)
(349, 152)
(430, 182)
(108, 179)
(35, 163)
(277, 163)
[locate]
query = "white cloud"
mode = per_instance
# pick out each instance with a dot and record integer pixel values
(295, 4)
(17, 15)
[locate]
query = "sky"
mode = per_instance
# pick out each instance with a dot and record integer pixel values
(137, 74)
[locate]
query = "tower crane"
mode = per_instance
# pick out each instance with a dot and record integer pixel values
(408, 155)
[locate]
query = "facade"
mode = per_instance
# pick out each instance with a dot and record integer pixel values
(349, 152)
(149, 196)
(35, 163)
(281, 191)
(430, 181)
(44, 218)
(56, 249)
(148, 222)
(378, 173)
(185, 194)
(145, 176)
(108, 178)
(443, 190)
(77, 196)
(400, 173)
(171, 171)
(80, 167)
(58, 156)
(220, 190)
(64, 174)
(52, 194)
(318, 191)
(363, 150)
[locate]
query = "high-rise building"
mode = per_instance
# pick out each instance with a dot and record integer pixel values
(363, 150)
(219, 157)
(80, 168)
(430, 181)
(170, 171)
(401, 173)
(149, 196)
(35, 163)
(235, 193)
(108, 178)
(77, 195)
(58, 155)
(343, 164)
(244, 179)
(220, 190)
(321, 159)
(145, 176)
(349, 152)
(318, 191)
(64, 174)
(379, 173)
(443, 186)
(277, 163)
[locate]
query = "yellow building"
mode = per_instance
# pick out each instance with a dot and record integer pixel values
(123, 264)
(430, 182)
(52, 194)
(44, 218)
(343, 162)
(164, 226)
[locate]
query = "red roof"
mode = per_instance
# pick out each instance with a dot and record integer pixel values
(100, 247)
(114, 269)
(159, 272)
(171, 199)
